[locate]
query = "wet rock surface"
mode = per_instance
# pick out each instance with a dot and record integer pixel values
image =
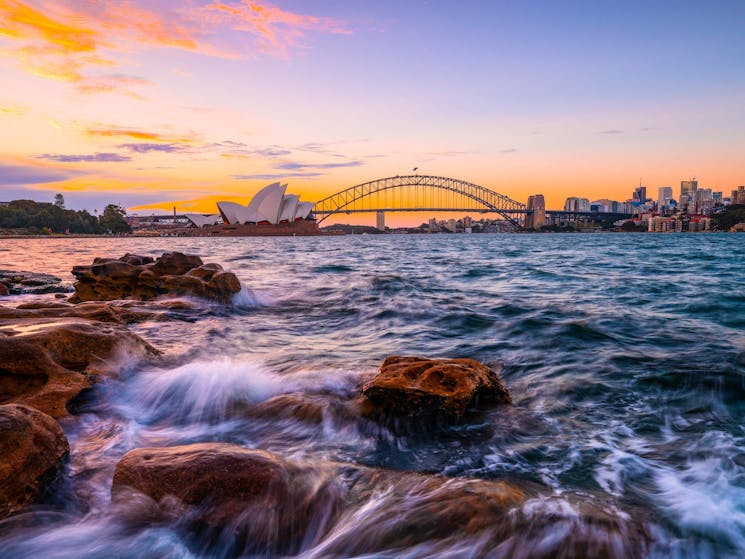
(32, 448)
(268, 503)
(46, 362)
(144, 278)
(416, 387)
(262, 503)
(14, 282)
(102, 312)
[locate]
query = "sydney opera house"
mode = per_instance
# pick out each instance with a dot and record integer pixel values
(270, 206)
(270, 212)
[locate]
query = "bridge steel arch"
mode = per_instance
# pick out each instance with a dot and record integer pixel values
(355, 199)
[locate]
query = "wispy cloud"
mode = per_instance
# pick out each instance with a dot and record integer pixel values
(137, 134)
(274, 176)
(66, 38)
(294, 165)
(276, 30)
(448, 153)
(611, 131)
(22, 175)
(93, 158)
(508, 150)
(149, 147)
(12, 110)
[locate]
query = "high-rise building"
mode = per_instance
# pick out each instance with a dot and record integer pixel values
(738, 195)
(665, 194)
(640, 195)
(703, 201)
(574, 204)
(688, 191)
(380, 220)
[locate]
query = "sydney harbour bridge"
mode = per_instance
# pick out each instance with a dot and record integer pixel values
(428, 193)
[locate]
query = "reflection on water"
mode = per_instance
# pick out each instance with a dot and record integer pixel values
(624, 354)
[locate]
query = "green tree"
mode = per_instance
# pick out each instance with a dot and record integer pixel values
(732, 215)
(59, 201)
(112, 219)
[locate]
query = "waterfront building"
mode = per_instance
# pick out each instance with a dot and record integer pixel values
(270, 205)
(453, 225)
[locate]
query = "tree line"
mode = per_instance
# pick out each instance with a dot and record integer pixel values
(32, 217)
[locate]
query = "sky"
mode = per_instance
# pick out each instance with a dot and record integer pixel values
(156, 104)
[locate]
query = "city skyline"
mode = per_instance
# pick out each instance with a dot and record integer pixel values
(155, 105)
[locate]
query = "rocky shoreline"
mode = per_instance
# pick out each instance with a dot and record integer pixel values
(251, 501)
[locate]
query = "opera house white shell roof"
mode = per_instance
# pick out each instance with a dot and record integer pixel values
(201, 220)
(269, 205)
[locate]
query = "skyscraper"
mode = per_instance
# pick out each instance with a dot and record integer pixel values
(665, 194)
(688, 191)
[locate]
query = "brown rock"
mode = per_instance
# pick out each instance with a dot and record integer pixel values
(103, 312)
(32, 447)
(266, 501)
(16, 282)
(45, 363)
(141, 278)
(419, 387)
(271, 505)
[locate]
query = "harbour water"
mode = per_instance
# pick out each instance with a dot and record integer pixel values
(624, 355)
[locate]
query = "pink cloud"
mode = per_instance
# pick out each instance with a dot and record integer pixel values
(65, 39)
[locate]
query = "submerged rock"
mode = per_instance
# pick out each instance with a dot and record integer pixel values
(13, 282)
(45, 363)
(245, 502)
(408, 386)
(142, 278)
(32, 447)
(262, 500)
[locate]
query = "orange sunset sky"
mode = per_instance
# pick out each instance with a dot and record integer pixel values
(156, 104)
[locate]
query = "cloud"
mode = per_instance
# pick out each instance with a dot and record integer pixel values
(612, 131)
(276, 31)
(66, 38)
(22, 175)
(274, 176)
(12, 110)
(233, 148)
(95, 158)
(136, 134)
(293, 165)
(508, 150)
(147, 147)
(448, 153)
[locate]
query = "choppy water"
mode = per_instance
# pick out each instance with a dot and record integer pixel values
(624, 354)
